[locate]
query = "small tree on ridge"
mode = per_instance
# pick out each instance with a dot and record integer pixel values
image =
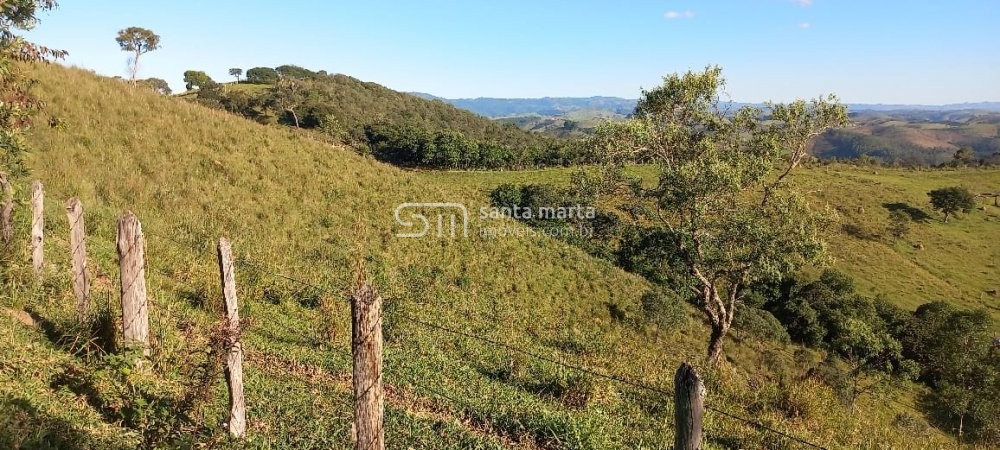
(139, 41)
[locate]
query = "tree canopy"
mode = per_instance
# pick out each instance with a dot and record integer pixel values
(17, 103)
(721, 199)
(137, 41)
(156, 84)
(950, 200)
(961, 361)
(262, 75)
(196, 79)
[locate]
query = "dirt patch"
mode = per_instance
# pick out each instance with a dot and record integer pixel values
(20, 316)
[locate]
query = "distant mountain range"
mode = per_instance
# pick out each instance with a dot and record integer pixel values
(609, 107)
(547, 106)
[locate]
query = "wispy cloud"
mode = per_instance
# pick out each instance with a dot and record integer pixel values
(805, 25)
(803, 2)
(678, 14)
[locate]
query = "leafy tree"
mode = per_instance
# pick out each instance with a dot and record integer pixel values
(829, 313)
(17, 103)
(246, 105)
(210, 94)
(951, 200)
(138, 41)
(720, 195)
(196, 79)
(963, 157)
(287, 95)
(262, 75)
(961, 362)
(156, 84)
(899, 223)
(236, 72)
(292, 71)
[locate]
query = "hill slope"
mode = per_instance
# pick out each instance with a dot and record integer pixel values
(299, 209)
(956, 264)
(393, 126)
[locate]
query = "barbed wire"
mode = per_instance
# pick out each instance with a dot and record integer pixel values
(668, 394)
(497, 343)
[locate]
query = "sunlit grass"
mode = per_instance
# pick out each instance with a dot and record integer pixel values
(302, 208)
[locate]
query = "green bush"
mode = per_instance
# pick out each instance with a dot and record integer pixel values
(761, 324)
(663, 308)
(262, 75)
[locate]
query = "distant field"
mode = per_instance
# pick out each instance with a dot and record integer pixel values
(913, 137)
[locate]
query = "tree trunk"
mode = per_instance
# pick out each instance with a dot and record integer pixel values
(961, 425)
(135, 67)
(945, 217)
(719, 331)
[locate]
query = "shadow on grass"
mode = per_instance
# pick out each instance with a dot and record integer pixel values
(24, 426)
(916, 214)
(91, 337)
(160, 420)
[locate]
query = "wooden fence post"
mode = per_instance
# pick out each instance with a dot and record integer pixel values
(6, 210)
(234, 355)
(78, 251)
(366, 346)
(132, 267)
(37, 226)
(689, 408)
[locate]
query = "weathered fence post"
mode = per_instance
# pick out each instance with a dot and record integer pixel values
(78, 251)
(366, 346)
(6, 210)
(234, 355)
(132, 267)
(689, 408)
(37, 226)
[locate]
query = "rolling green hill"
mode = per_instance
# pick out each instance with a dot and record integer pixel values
(393, 126)
(298, 209)
(957, 263)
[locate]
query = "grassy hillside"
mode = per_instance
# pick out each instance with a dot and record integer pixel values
(298, 208)
(958, 261)
(369, 116)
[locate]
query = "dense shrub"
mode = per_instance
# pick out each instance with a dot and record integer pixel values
(262, 75)
(960, 360)
(760, 324)
(663, 308)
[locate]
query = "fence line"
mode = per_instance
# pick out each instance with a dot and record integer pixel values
(624, 381)
(137, 268)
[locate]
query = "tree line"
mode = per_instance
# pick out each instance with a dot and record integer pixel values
(393, 127)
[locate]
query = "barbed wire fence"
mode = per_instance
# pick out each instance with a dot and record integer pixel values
(243, 259)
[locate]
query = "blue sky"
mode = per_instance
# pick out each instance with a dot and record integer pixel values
(873, 51)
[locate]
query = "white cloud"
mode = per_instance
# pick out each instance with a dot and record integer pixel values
(805, 25)
(679, 14)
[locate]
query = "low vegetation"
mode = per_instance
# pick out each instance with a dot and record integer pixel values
(394, 127)
(520, 341)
